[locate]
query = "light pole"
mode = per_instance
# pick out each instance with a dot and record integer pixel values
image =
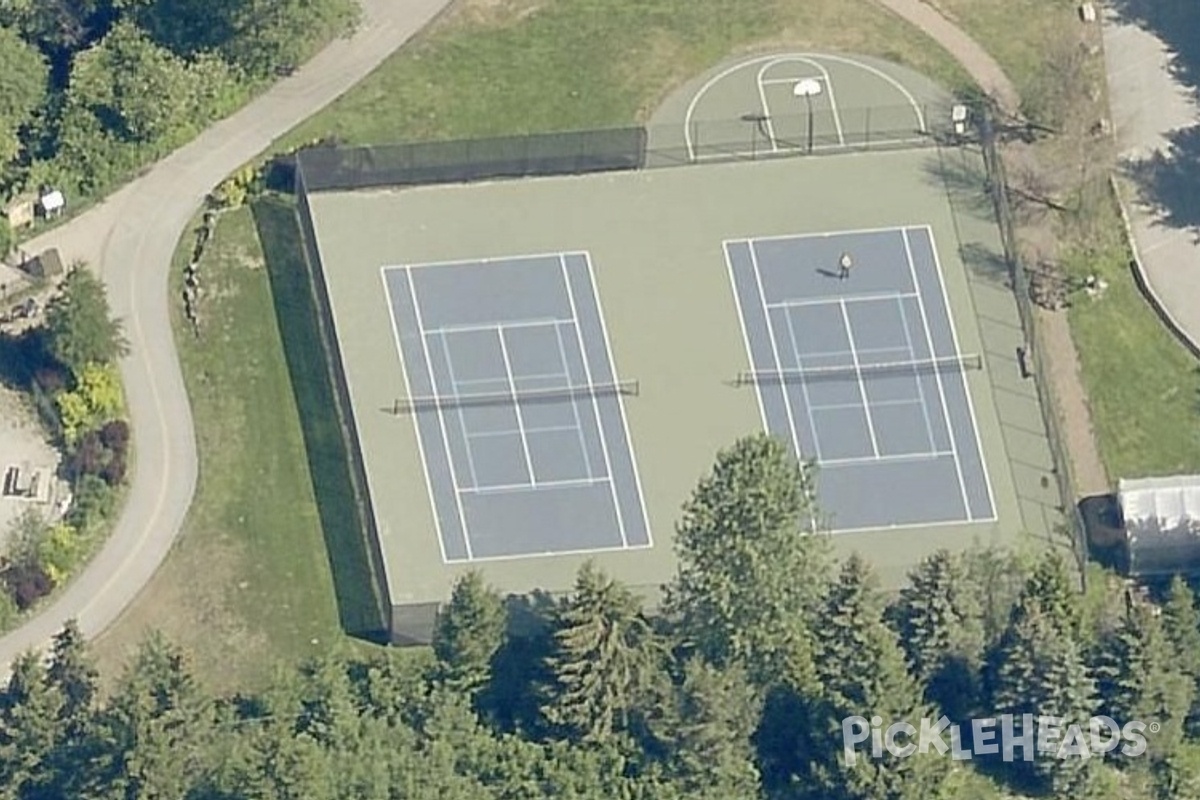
(808, 88)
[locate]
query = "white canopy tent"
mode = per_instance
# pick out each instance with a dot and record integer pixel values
(1162, 524)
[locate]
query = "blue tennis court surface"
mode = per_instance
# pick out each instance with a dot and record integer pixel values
(518, 409)
(862, 374)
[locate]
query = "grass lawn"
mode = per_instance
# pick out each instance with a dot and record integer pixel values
(250, 582)
(1143, 386)
(496, 68)
(1017, 33)
(256, 579)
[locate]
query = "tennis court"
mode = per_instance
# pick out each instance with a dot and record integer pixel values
(861, 371)
(518, 410)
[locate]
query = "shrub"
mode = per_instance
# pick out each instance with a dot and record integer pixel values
(8, 609)
(60, 551)
(94, 502)
(89, 456)
(27, 583)
(114, 471)
(115, 435)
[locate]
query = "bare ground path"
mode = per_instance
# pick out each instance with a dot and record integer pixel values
(1057, 348)
(130, 239)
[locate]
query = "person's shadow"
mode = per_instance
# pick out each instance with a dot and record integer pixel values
(828, 273)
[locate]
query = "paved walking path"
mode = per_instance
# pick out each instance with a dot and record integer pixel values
(1148, 104)
(978, 63)
(130, 238)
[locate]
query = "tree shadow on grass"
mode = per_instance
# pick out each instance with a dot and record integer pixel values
(353, 557)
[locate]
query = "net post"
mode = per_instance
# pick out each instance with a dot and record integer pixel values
(867, 129)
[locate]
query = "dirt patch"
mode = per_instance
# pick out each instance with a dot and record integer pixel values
(23, 445)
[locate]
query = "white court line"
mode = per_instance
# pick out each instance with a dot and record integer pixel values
(462, 514)
(583, 551)
(612, 368)
(824, 300)
(861, 350)
(540, 376)
(583, 451)
(821, 235)
(491, 327)
(862, 386)
(514, 488)
(433, 505)
(787, 402)
(712, 81)
(762, 92)
(766, 107)
(966, 389)
(482, 261)
(908, 526)
(737, 302)
(512, 385)
(917, 378)
(458, 412)
(938, 376)
(876, 403)
(808, 406)
(926, 456)
(837, 118)
(514, 432)
(587, 371)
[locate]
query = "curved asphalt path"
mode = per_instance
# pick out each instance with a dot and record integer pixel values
(130, 239)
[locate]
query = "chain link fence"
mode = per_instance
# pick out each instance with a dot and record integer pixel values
(1019, 275)
(751, 137)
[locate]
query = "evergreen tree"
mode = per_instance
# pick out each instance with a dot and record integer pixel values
(1040, 671)
(750, 570)
(939, 623)
(469, 632)
(158, 726)
(862, 672)
(706, 729)
(1048, 589)
(1138, 677)
(29, 730)
(1181, 621)
(604, 648)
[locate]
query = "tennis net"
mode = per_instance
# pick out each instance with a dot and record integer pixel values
(958, 363)
(409, 405)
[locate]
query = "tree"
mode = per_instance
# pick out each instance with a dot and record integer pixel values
(750, 570)
(707, 733)
(1138, 676)
(23, 77)
(862, 672)
(81, 329)
(469, 632)
(266, 35)
(138, 90)
(1181, 622)
(157, 727)
(29, 730)
(603, 650)
(1039, 671)
(939, 623)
